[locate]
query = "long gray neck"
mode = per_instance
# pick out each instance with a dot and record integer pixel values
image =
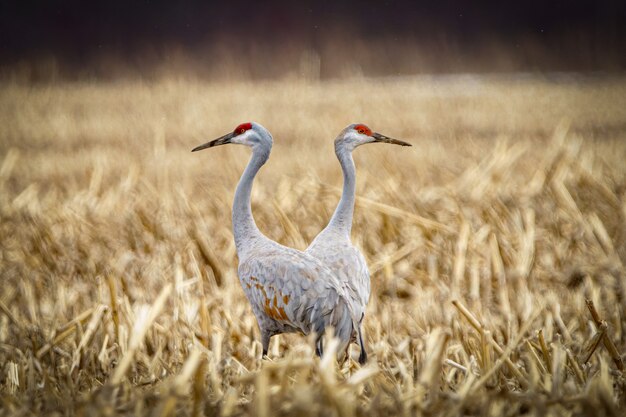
(341, 221)
(244, 228)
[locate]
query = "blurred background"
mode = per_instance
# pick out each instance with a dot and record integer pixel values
(310, 39)
(117, 262)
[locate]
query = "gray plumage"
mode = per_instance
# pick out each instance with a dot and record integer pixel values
(289, 291)
(333, 245)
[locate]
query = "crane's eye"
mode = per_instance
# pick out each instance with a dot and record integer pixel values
(241, 131)
(361, 131)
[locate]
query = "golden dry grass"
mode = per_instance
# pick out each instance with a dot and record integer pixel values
(119, 290)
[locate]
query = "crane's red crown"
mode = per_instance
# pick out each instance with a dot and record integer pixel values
(242, 128)
(364, 130)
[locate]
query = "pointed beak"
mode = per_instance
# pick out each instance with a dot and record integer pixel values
(217, 142)
(385, 139)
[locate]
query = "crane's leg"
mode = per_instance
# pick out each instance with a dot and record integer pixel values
(265, 341)
(319, 346)
(363, 355)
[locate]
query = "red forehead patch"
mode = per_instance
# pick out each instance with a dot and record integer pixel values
(242, 128)
(364, 130)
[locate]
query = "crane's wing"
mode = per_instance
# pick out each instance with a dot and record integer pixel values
(294, 289)
(349, 265)
(363, 278)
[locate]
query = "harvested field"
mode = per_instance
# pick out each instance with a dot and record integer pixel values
(496, 244)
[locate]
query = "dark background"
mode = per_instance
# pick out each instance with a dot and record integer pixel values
(275, 38)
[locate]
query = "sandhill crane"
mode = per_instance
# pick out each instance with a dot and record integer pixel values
(333, 245)
(289, 290)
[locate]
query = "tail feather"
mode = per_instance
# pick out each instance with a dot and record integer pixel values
(345, 325)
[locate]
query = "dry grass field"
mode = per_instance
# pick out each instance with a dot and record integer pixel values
(497, 246)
